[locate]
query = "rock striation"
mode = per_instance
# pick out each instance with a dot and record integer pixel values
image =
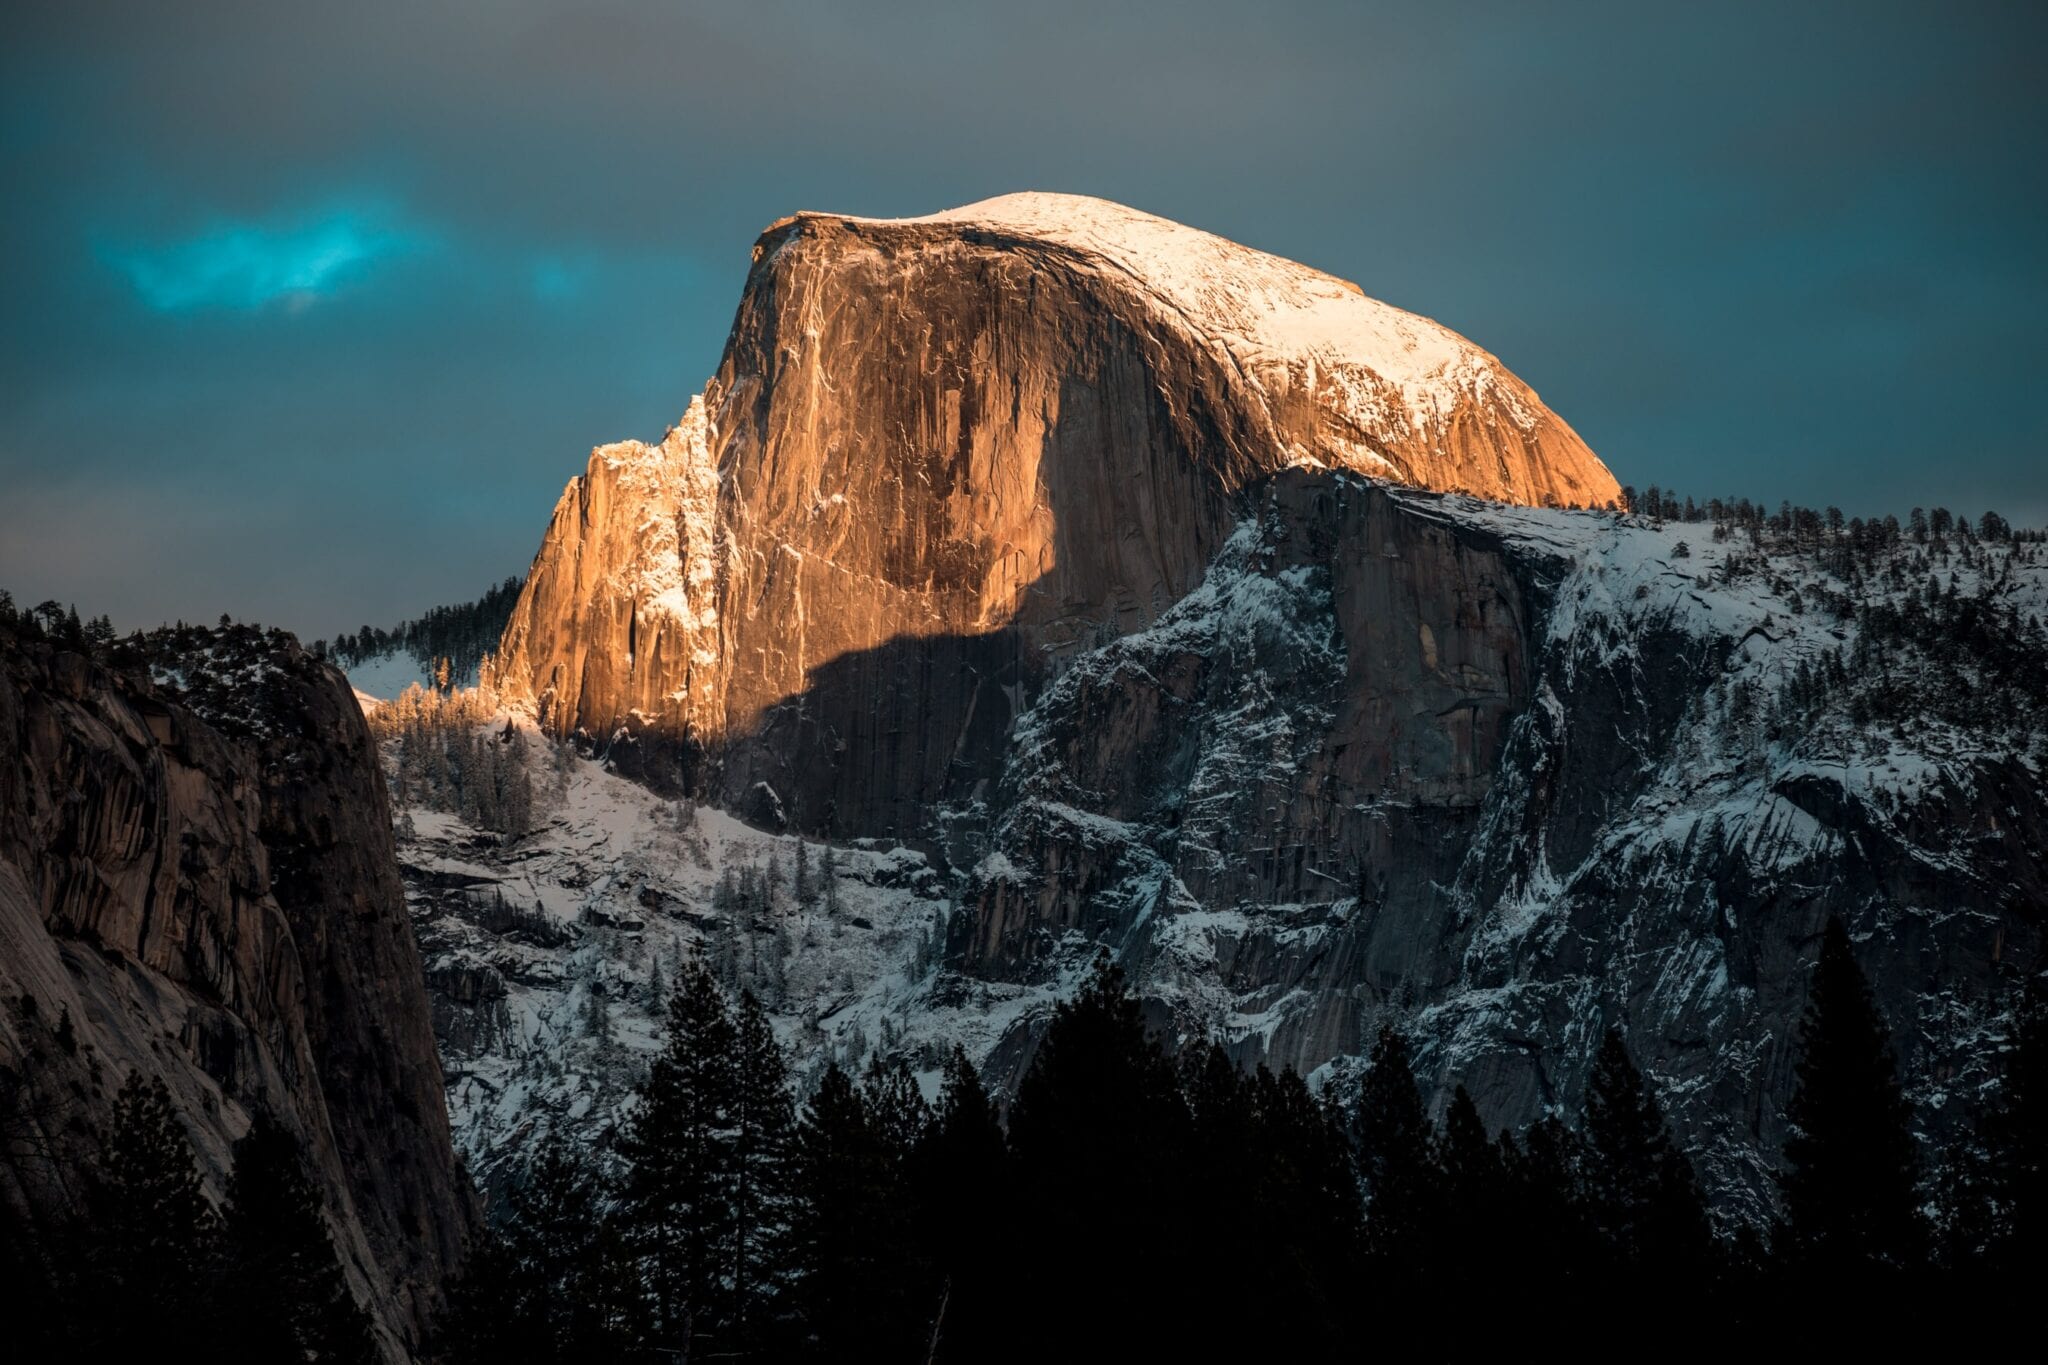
(197, 882)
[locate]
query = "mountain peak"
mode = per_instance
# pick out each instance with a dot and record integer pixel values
(1397, 393)
(959, 449)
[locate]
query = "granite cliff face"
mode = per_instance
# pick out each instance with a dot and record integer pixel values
(197, 882)
(1162, 597)
(1502, 777)
(943, 454)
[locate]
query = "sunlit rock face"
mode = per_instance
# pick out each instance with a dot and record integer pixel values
(942, 455)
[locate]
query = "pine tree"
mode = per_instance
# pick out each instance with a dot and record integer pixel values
(1395, 1161)
(1099, 1136)
(1851, 1206)
(962, 1186)
(1641, 1195)
(492, 1316)
(800, 889)
(281, 1261)
(570, 1260)
(828, 878)
(763, 1127)
(2016, 1142)
(597, 1016)
(895, 1106)
(1224, 1153)
(1306, 1194)
(155, 1242)
(678, 1182)
(1474, 1184)
(1542, 1217)
(842, 1190)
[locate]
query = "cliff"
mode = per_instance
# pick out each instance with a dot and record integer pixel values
(1147, 593)
(197, 882)
(942, 454)
(1503, 777)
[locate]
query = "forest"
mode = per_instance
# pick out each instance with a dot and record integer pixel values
(462, 634)
(1139, 1203)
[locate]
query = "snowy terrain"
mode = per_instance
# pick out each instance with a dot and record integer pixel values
(1628, 891)
(383, 678)
(549, 1003)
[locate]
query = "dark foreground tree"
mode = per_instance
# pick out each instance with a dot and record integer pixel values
(1542, 1219)
(854, 1264)
(1473, 1177)
(553, 1283)
(962, 1188)
(1106, 1238)
(1641, 1197)
(1397, 1165)
(758, 1159)
(291, 1301)
(1297, 1176)
(678, 1185)
(149, 1255)
(2016, 1146)
(1850, 1187)
(838, 1186)
(491, 1317)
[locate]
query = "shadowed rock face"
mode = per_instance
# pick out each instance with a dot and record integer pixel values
(940, 456)
(1321, 721)
(1485, 776)
(223, 912)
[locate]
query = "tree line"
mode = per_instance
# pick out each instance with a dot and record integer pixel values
(1925, 650)
(446, 756)
(1144, 1204)
(462, 634)
(141, 1261)
(1810, 527)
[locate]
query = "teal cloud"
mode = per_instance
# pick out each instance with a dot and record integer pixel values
(246, 266)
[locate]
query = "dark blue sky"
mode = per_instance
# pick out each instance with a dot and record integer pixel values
(309, 310)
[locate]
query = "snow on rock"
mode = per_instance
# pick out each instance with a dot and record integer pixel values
(1266, 311)
(1670, 815)
(546, 958)
(942, 454)
(1499, 776)
(1389, 381)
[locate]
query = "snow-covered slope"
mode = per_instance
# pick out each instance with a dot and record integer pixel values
(1718, 744)
(1287, 323)
(546, 959)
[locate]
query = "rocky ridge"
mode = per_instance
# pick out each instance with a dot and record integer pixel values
(1497, 776)
(197, 882)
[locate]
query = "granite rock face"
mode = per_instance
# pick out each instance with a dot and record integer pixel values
(201, 886)
(1183, 602)
(1321, 719)
(941, 455)
(1501, 778)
